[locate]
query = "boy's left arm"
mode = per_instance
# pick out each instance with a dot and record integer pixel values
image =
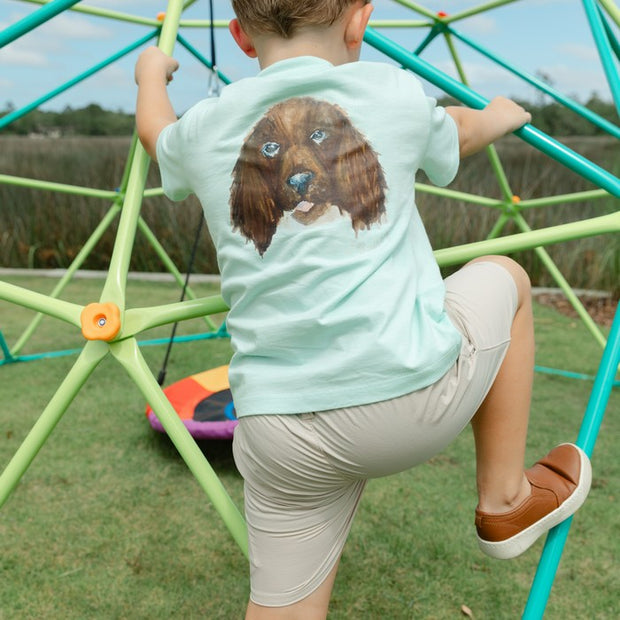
(154, 111)
(479, 128)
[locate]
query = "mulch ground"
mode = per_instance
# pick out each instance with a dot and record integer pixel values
(601, 309)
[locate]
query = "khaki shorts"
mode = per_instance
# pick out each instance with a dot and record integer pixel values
(304, 474)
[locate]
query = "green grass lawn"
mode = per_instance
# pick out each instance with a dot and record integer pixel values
(109, 523)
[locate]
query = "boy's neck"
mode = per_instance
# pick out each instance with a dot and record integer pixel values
(311, 42)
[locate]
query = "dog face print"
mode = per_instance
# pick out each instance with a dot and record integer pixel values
(303, 157)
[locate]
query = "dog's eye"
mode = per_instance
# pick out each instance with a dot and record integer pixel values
(318, 135)
(270, 149)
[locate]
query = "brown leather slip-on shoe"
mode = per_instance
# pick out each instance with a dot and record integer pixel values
(560, 484)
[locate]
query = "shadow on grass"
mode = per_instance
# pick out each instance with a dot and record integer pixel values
(218, 452)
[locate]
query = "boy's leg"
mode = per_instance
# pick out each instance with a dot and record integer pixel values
(515, 506)
(299, 508)
(313, 607)
(500, 424)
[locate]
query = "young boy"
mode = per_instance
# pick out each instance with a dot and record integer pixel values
(352, 358)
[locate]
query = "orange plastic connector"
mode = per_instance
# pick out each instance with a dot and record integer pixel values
(100, 321)
(161, 16)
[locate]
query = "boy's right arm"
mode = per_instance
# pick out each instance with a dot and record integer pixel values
(154, 111)
(479, 128)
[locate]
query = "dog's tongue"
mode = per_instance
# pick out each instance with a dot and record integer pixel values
(304, 206)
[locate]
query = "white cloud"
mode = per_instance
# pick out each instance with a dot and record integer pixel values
(64, 25)
(72, 39)
(543, 2)
(127, 5)
(75, 27)
(11, 19)
(477, 25)
(486, 80)
(115, 76)
(451, 7)
(475, 73)
(21, 56)
(576, 50)
(39, 47)
(571, 80)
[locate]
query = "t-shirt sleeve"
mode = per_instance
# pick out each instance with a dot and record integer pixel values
(441, 158)
(172, 159)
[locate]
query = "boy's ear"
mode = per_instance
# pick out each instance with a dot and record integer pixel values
(241, 38)
(356, 25)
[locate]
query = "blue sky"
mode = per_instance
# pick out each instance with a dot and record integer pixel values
(549, 37)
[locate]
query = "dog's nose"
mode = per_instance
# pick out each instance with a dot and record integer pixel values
(300, 181)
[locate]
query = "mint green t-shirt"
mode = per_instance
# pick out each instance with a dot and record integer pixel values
(306, 176)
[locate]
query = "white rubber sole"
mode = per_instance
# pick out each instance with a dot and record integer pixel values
(517, 544)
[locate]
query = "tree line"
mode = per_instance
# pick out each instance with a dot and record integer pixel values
(91, 120)
(550, 117)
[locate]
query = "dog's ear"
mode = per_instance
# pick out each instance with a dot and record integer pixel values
(360, 177)
(252, 207)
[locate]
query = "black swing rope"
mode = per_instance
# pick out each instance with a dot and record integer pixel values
(212, 33)
(161, 377)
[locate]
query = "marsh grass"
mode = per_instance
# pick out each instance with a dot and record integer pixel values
(592, 263)
(45, 229)
(109, 523)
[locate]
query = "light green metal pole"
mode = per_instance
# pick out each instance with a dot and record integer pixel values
(114, 288)
(592, 194)
(140, 319)
(491, 151)
(128, 354)
(90, 357)
(476, 10)
(169, 265)
(564, 286)
(116, 15)
(126, 350)
(63, 310)
(62, 188)
(77, 262)
(603, 224)
(457, 195)
(496, 231)
(612, 9)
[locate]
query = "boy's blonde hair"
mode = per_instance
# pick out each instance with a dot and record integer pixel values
(285, 17)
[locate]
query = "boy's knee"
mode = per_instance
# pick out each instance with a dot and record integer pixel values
(519, 275)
